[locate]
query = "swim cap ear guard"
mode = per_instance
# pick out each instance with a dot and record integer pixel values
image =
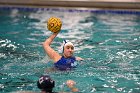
(45, 83)
(64, 42)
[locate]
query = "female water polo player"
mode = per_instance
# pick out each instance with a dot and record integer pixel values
(66, 60)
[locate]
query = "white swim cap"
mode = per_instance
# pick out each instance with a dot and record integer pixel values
(68, 43)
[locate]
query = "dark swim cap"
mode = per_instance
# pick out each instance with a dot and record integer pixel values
(45, 83)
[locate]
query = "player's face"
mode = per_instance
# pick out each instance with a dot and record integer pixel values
(68, 50)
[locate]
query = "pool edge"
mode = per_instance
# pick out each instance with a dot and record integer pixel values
(110, 4)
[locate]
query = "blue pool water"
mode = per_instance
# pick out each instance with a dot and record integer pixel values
(108, 40)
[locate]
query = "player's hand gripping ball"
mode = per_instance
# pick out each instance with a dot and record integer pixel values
(54, 24)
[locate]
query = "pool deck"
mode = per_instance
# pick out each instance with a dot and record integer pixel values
(110, 4)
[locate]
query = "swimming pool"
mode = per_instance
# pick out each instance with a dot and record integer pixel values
(108, 40)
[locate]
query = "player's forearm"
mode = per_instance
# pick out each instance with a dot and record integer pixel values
(50, 39)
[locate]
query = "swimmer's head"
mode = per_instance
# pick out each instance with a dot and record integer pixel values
(67, 48)
(64, 44)
(45, 83)
(67, 43)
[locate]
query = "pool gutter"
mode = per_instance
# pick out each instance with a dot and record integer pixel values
(116, 4)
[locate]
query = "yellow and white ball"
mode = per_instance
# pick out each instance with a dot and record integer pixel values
(54, 24)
